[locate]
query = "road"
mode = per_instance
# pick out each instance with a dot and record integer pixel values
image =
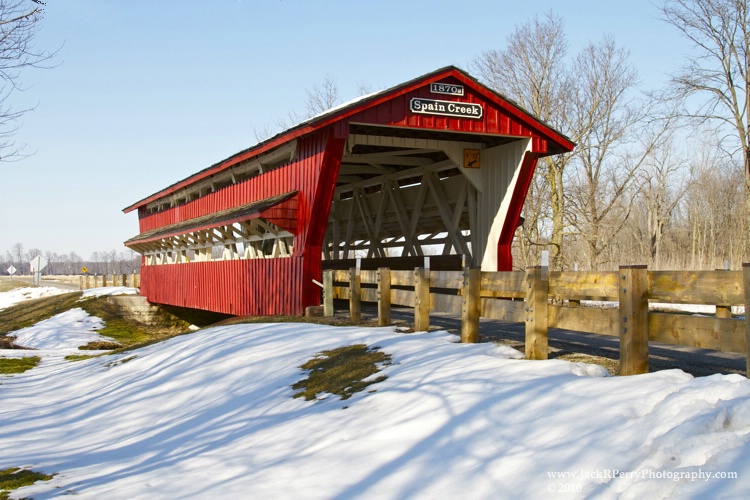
(698, 362)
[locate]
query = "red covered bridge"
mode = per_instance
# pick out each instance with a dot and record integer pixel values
(439, 161)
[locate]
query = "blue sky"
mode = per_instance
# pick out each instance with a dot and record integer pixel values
(146, 93)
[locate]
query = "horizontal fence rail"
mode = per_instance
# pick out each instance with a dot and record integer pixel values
(544, 300)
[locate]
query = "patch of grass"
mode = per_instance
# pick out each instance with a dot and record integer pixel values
(342, 371)
(31, 312)
(15, 477)
(120, 361)
(100, 345)
(7, 285)
(9, 366)
(612, 365)
(7, 343)
(80, 357)
(129, 333)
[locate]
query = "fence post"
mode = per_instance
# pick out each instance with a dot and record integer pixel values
(124, 279)
(537, 292)
(746, 286)
(328, 294)
(355, 295)
(470, 305)
(384, 296)
(88, 283)
(104, 280)
(136, 280)
(80, 282)
(421, 299)
(633, 320)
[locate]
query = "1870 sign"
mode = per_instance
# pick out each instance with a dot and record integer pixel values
(445, 108)
(446, 88)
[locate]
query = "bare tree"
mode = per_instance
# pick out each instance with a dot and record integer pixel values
(17, 256)
(364, 88)
(76, 262)
(265, 132)
(19, 24)
(664, 180)
(715, 85)
(52, 262)
(614, 141)
(531, 70)
(322, 97)
(714, 232)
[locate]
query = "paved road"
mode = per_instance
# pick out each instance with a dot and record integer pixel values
(44, 282)
(698, 362)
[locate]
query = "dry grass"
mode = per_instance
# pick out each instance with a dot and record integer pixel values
(612, 365)
(15, 477)
(7, 285)
(342, 371)
(11, 366)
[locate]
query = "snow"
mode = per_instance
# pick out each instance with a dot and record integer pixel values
(66, 330)
(703, 309)
(13, 297)
(109, 290)
(211, 414)
(62, 332)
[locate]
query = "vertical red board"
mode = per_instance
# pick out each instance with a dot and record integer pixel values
(504, 253)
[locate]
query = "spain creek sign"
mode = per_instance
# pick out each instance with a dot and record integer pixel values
(445, 108)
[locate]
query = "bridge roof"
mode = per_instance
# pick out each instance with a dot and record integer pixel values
(555, 141)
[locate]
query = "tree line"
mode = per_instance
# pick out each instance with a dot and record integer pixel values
(658, 176)
(104, 262)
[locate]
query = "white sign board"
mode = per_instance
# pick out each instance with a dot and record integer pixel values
(12, 270)
(38, 263)
(445, 108)
(447, 88)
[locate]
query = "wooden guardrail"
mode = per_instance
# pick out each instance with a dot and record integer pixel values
(544, 300)
(131, 280)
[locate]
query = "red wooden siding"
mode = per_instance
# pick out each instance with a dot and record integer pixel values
(258, 286)
(397, 112)
(241, 287)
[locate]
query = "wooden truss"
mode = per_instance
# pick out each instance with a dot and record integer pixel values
(402, 197)
(254, 238)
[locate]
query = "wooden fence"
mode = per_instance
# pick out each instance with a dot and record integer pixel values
(544, 300)
(131, 280)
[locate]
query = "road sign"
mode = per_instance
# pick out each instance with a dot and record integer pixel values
(84, 270)
(38, 263)
(12, 270)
